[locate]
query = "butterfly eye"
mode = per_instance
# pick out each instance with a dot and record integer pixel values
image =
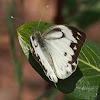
(33, 38)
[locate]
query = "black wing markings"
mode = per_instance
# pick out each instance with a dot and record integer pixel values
(37, 58)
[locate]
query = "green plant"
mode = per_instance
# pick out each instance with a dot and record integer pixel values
(11, 10)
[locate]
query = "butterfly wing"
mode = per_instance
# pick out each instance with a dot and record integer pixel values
(39, 54)
(64, 44)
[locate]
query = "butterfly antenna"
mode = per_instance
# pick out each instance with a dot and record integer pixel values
(41, 18)
(12, 17)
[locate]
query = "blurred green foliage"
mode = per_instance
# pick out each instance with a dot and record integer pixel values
(81, 13)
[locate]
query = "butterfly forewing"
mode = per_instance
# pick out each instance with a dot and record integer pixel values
(59, 50)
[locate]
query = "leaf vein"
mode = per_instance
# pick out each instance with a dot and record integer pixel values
(85, 57)
(93, 52)
(92, 66)
(91, 57)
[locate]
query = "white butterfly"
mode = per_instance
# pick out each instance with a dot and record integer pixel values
(57, 50)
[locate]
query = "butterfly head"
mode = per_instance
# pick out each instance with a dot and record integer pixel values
(36, 35)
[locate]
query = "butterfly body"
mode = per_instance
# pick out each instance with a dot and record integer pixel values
(57, 50)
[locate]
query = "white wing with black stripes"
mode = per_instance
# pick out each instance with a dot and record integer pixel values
(57, 50)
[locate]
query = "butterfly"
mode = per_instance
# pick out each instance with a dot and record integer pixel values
(57, 50)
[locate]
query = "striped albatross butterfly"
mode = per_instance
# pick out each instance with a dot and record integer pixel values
(57, 50)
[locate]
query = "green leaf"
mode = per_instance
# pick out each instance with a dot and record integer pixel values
(81, 13)
(17, 65)
(84, 82)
